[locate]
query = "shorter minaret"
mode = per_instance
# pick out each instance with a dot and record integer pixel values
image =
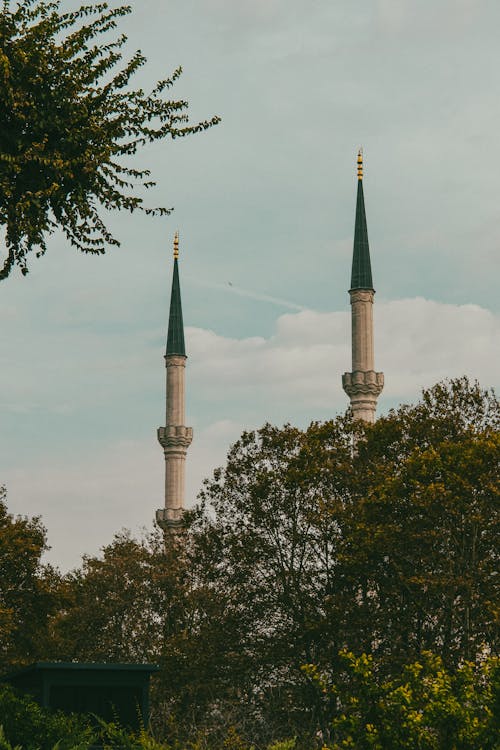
(175, 437)
(363, 385)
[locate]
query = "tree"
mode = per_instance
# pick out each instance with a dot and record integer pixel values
(119, 606)
(429, 520)
(389, 550)
(69, 124)
(27, 589)
(301, 548)
(143, 601)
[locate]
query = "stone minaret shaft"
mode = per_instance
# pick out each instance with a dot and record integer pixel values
(363, 385)
(175, 437)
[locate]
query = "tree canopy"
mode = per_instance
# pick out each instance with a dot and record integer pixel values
(29, 590)
(362, 551)
(70, 123)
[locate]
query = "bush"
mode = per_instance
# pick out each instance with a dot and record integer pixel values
(24, 725)
(32, 727)
(426, 706)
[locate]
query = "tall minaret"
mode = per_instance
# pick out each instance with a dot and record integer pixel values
(175, 438)
(363, 385)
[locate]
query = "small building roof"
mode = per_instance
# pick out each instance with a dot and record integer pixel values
(53, 666)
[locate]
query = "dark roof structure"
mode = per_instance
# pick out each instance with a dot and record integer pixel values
(109, 691)
(361, 276)
(175, 338)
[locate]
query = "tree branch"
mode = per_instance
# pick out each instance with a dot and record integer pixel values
(8, 263)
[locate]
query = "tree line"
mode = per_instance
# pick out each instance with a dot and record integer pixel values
(310, 554)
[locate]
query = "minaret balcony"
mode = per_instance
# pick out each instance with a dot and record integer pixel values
(170, 518)
(366, 382)
(175, 436)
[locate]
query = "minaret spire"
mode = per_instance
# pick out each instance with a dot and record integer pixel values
(363, 385)
(175, 337)
(361, 276)
(175, 437)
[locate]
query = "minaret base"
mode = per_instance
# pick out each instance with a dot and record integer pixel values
(363, 389)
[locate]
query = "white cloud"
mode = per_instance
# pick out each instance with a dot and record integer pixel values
(295, 375)
(422, 341)
(418, 342)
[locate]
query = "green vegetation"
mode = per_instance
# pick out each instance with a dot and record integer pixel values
(425, 707)
(29, 591)
(70, 124)
(319, 594)
(24, 723)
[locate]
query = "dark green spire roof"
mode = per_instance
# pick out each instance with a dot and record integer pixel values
(175, 338)
(361, 276)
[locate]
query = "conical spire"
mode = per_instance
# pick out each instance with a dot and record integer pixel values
(361, 276)
(175, 338)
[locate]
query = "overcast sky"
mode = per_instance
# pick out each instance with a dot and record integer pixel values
(265, 205)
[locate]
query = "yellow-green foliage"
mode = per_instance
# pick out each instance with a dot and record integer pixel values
(426, 707)
(290, 744)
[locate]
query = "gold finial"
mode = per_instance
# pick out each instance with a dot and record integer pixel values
(360, 164)
(176, 245)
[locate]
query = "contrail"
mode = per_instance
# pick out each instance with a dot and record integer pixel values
(230, 287)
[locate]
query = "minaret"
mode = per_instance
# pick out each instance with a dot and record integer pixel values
(363, 385)
(174, 438)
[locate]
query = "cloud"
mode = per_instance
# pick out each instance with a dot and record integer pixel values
(418, 342)
(235, 384)
(422, 341)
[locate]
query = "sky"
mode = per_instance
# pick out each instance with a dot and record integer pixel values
(264, 204)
